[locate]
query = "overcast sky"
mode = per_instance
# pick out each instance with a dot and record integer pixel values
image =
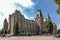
(28, 8)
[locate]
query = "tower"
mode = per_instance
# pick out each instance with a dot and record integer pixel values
(47, 17)
(54, 29)
(40, 22)
(5, 25)
(48, 24)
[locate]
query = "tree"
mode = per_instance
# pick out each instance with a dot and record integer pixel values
(8, 31)
(49, 26)
(16, 29)
(58, 31)
(2, 31)
(5, 31)
(58, 3)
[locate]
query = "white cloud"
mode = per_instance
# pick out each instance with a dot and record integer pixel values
(1, 21)
(25, 3)
(1, 14)
(32, 18)
(26, 16)
(7, 7)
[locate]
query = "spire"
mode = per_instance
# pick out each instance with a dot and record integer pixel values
(5, 20)
(5, 24)
(47, 15)
(39, 12)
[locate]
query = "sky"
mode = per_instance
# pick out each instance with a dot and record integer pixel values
(29, 8)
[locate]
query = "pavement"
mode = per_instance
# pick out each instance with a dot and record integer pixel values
(29, 38)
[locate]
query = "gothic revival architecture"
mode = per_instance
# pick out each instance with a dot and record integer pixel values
(54, 29)
(32, 27)
(5, 25)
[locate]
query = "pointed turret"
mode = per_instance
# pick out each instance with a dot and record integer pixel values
(39, 13)
(39, 21)
(5, 24)
(47, 15)
(5, 20)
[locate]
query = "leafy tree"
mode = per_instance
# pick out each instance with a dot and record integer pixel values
(5, 31)
(8, 31)
(16, 29)
(58, 3)
(58, 31)
(49, 26)
(2, 31)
